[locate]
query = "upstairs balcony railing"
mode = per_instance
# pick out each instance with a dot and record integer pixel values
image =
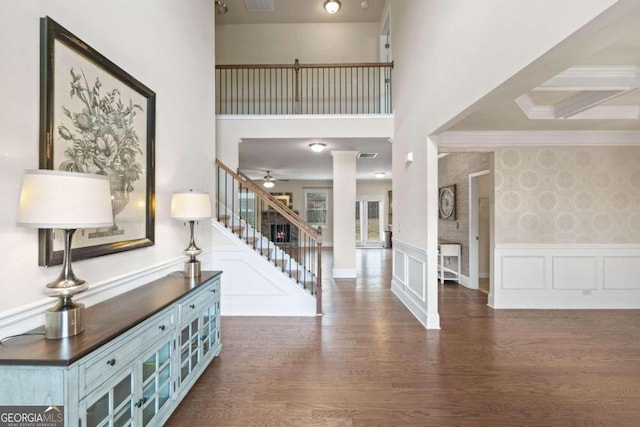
(358, 88)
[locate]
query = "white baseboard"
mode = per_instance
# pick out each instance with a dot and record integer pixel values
(567, 276)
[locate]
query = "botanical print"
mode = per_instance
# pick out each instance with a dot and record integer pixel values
(103, 140)
(99, 127)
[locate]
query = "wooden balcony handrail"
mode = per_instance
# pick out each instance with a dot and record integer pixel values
(283, 210)
(299, 65)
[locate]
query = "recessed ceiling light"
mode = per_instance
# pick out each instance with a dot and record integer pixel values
(380, 174)
(332, 6)
(317, 147)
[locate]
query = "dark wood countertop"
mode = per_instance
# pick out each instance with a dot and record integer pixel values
(103, 322)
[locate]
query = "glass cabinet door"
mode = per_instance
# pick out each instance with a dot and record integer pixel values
(112, 404)
(156, 382)
(210, 328)
(189, 344)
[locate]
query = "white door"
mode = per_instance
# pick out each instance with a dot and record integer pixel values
(370, 221)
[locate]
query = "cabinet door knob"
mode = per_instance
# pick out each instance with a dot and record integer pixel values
(213, 290)
(192, 306)
(162, 327)
(111, 362)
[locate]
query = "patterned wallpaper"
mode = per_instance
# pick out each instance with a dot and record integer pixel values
(567, 195)
(455, 169)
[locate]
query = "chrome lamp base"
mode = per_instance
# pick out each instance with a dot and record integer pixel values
(192, 266)
(64, 320)
(192, 269)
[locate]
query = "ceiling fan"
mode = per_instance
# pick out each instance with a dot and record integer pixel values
(269, 182)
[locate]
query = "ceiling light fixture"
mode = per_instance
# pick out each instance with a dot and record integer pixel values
(317, 147)
(268, 181)
(220, 7)
(380, 174)
(332, 6)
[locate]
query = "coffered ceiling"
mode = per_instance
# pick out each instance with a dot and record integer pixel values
(585, 83)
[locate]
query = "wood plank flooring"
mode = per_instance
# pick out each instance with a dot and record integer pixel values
(368, 362)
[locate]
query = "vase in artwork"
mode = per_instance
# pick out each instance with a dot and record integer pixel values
(119, 200)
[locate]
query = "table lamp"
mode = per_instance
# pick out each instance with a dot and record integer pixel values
(191, 206)
(65, 200)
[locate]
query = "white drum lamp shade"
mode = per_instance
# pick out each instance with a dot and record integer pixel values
(56, 199)
(66, 200)
(190, 206)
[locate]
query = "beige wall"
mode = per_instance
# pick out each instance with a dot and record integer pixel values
(567, 195)
(296, 188)
(455, 169)
(283, 43)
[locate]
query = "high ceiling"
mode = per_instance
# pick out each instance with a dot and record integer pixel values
(590, 81)
(298, 11)
(291, 159)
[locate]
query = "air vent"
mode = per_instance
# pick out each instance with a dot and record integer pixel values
(260, 5)
(367, 155)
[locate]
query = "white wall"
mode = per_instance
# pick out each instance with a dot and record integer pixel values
(283, 43)
(438, 46)
(448, 55)
(181, 74)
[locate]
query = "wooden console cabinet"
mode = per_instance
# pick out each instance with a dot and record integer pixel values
(139, 355)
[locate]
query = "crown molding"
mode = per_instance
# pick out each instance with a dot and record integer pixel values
(590, 77)
(459, 139)
(581, 110)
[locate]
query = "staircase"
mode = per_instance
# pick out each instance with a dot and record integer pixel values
(286, 241)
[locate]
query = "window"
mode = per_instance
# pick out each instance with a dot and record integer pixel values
(316, 206)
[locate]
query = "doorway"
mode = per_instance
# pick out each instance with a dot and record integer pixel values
(479, 230)
(370, 221)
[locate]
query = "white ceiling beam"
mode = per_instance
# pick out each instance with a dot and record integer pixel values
(583, 101)
(594, 78)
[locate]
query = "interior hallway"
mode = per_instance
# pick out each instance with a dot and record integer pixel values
(369, 362)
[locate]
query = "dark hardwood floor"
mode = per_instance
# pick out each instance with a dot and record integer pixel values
(368, 362)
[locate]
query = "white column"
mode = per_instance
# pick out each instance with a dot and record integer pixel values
(344, 207)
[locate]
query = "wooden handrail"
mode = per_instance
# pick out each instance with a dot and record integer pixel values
(299, 65)
(273, 202)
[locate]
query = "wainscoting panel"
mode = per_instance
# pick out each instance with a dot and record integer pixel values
(398, 264)
(523, 272)
(567, 276)
(575, 272)
(417, 281)
(622, 272)
(409, 281)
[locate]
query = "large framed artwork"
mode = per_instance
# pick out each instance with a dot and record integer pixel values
(96, 118)
(447, 203)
